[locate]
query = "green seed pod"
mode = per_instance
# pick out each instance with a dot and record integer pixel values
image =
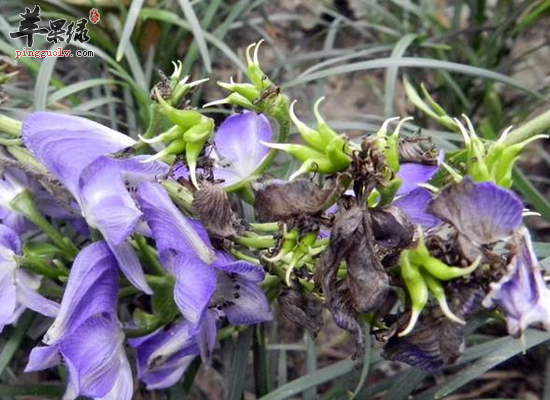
(200, 132)
(436, 289)
(335, 152)
(417, 288)
(182, 118)
(325, 131)
(310, 136)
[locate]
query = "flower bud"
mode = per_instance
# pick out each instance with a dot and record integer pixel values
(182, 118)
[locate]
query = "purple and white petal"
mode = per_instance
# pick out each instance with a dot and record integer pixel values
(91, 290)
(13, 182)
(522, 293)
(195, 286)
(415, 204)
(412, 174)
(95, 357)
(483, 212)
(43, 357)
(171, 229)
(241, 300)
(245, 270)
(66, 144)
(36, 302)
(237, 141)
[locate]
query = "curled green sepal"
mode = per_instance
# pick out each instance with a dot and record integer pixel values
(253, 70)
(436, 289)
(476, 155)
(183, 118)
(175, 132)
(417, 288)
(174, 148)
(435, 267)
(310, 136)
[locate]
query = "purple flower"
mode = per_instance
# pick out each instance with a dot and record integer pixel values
(237, 148)
(17, 286)
(86, 333)
(164, 355)
(482, 212)
(13, 182)
(75, 150)
(522, 293)
(205, 279)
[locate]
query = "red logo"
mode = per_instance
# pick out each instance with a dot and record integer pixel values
(94, 16)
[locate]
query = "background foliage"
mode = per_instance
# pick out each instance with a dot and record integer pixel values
(486, 59)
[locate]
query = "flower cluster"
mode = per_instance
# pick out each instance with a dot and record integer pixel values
(159, 249)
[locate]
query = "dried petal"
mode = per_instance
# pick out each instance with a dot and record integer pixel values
(301, 310)
(211, 206)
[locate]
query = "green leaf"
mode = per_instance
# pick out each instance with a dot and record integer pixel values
(77, 87)
(509, 348)
(311, 380)
(404, 384)
(14, 341)
(366, 362)
(131, 19)
(391, 73)
(413, 62)
(531, 194)
(198, 32)
(43, 80)
(55, 391)
(167, 16)
(236, 364)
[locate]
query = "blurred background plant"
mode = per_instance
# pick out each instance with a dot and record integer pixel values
(489, 60)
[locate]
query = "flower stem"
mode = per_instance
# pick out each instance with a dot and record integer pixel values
(10, 126)
(149, 255)
(179, 194)
(257, 242)
(40, 267)
(265, 227)
(535, 126)
(25, 205)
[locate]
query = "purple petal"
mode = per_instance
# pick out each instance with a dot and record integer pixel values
(207, 335)
(170, 228)
(66, 144)
(245, 270)
(415, 204)
(91, 290)
(195, 285)
(242, 300)
(94, 354)
(164, 355)
(9, 239)
(36, 302)
(237, 141)
(412, 174)
(130, 266)
(483, 212)
(106, 203)
(43, 357)
(522, 292)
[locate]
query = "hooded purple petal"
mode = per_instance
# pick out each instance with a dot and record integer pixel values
(43, 357)
(195, 285)
(171, 229)
(129, 264)
(413, 174)
(96, 360)
(483, 212)
(27, 297)
(415, 204)
(91, 290)
(164, 355)
(238, 295)
(237, 142)
(66, 144)
(522, 294)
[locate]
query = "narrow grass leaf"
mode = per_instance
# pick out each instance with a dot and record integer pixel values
(43, 79)
(413, 62)
(78, 87)
(50, 391)
(237, 365)
(507, 350)
(316, 378)
(390, 80)
(404, 384)
(531, 194)
(131, 19)
(366, 363)
(197, 32)
(14, 341)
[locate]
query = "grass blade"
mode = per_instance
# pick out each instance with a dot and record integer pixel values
(31, 390)
(237, 365)
(197, 32)
(77, 87)
(531, 194)
(366, 362)
(15, 339)
(391, 73)
(311, 380)
(509, 348)
(131, 19)
(413, 62)
(43, 79)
